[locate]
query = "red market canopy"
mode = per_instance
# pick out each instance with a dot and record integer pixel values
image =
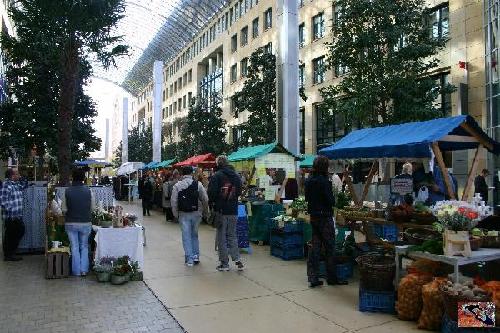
(207, 160)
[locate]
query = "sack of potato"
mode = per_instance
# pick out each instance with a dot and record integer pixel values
(494, 288)
(409, 304)
(432, 311)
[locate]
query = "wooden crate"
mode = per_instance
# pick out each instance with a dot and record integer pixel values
(57, 265)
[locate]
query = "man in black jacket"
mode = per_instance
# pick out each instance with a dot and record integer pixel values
(223, 192)
(480, 185)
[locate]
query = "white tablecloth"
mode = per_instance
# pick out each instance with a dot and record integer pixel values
(118, 242)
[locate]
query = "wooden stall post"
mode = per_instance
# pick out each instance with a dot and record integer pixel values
(369, 179)
(352, 190)
(444, 171)
(470, 177)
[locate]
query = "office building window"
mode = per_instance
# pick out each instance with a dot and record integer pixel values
(302, 129)
(341, 70)
(234, 43)
(244, 36)
(318, 26)
(236, 11)
(302, 37)
(268, 48)
(184, 100)
(438, 21)
(226, 21)
(244, 67)
(190, 75)
(325, 126)
(319, 70)
(231, 17)
(302, 78)
(255, 28)
(234, 73)
(179, 104)
(242, 7)
(190, 98)
(268, 19)
(443, 101)
(175, 86)
(170, 110)
(175, 107)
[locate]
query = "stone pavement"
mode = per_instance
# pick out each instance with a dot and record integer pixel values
(30, 303)
(271, 295)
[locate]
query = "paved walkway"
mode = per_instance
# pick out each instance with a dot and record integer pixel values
(271, 295)
(30, 303)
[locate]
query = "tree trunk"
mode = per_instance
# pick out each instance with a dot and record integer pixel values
(65, 110)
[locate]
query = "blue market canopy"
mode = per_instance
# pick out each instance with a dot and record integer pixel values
(250, 153)
(92, 164)
(166, 164)
(412, 140)
(151, 165)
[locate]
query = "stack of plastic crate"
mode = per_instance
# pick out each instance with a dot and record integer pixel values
(242, 228)
(287, 240)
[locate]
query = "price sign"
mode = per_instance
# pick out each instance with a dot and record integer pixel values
(401, 186)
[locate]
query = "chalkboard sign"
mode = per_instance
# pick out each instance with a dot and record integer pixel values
(401, 185)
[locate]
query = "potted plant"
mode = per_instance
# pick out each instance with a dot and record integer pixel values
(120, 274)
(104, 268)
(136, 274)
(455, 226)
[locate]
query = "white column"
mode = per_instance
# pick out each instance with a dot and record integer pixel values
(219, 60)
(287, 76)
(157, 101)
(210, 65)
(125, 131)
(106, 141)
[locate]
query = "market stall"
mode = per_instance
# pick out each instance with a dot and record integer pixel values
(124, 185)
(434, 232)
(266, 169)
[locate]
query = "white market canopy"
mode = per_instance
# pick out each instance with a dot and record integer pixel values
(129, 167)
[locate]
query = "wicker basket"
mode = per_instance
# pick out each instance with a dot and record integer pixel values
(376, 272)
(475, 243)
(450, 302)
(425, 219)
(399, 216)
(416, 236)
(491, 241)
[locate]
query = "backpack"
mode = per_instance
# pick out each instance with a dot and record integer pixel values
(227, 190)
(188, 198)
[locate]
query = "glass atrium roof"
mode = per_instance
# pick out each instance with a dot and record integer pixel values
(156, 30)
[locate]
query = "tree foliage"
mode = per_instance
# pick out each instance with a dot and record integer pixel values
(140, 144)
(258, 98)
(388, 51)
(204, 130)
(50, 61)
(117, 156)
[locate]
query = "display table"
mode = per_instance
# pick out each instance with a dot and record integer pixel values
(118, 242)
(480, 255)
(367, 230)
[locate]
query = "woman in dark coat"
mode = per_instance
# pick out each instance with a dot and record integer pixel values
(320, 202)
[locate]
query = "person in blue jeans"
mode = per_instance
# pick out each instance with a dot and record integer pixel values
(78, 203)
(189, 202)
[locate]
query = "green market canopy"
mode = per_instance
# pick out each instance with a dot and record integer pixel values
(251, 153)
(307, 161)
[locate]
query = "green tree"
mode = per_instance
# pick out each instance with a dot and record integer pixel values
(63, 36)
(387, 51)
(117, 156)
(204, 129)
(140, 144)
(258, 97)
